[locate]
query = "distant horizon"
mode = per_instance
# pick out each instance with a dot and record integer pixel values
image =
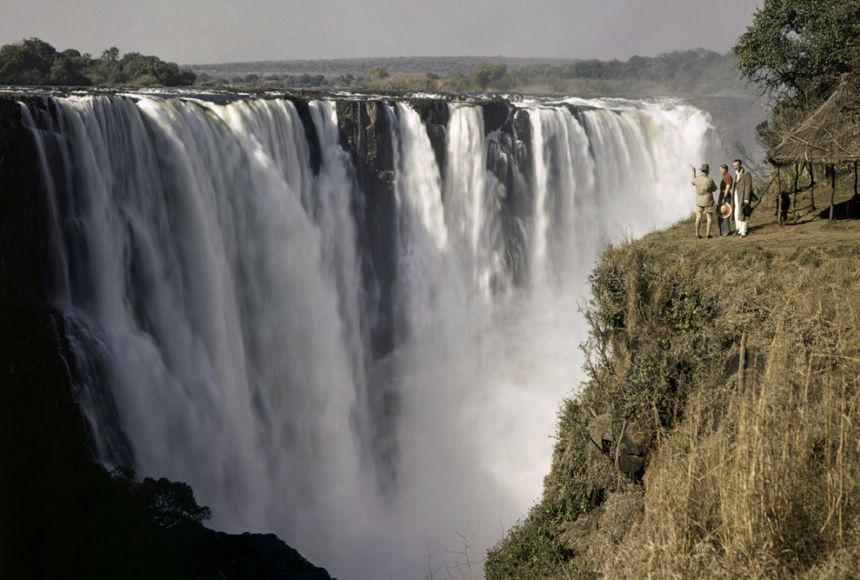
(437, 57)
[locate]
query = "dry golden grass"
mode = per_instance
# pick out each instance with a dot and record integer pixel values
(753, 461)
(761, 478)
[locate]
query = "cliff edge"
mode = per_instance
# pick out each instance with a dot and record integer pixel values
(716, 433)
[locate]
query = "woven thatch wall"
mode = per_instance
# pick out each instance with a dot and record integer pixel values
(830, 136)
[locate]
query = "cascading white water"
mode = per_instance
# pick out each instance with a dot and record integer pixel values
(215, 279)
(472, 206)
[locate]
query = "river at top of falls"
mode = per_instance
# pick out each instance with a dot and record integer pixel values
(222, 299)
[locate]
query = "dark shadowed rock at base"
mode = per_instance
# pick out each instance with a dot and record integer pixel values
(257, 556)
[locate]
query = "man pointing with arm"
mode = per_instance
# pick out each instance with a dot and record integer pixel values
(705, 188)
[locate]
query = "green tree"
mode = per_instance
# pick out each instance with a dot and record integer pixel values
(796, 50)
(111, 54)
(377, 73)
(65, 71)
(487, 73)
(26, 63)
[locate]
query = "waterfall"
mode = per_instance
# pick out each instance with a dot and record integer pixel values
(212, 264)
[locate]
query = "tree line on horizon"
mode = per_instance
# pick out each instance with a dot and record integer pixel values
(688, 72)
(35, 62)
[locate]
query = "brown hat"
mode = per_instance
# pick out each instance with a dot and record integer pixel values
(725, 210)
(705, 168)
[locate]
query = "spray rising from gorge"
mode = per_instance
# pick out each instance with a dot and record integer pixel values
(348, 322)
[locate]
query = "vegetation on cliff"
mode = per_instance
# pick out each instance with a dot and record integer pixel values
(716, 433)
(34, 62)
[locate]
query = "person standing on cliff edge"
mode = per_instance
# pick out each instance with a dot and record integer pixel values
(725, 197)
(705, 188)
(741, 194)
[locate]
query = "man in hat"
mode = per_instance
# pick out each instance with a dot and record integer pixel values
(741, 194)
(705, 188)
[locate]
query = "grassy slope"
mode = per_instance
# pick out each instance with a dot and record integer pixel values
(746, 474)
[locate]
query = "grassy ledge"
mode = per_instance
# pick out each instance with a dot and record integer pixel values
(718, 431)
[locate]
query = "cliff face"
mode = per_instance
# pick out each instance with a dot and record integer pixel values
(42, 441)
(366, 132)
(709, 439)
(62, 515)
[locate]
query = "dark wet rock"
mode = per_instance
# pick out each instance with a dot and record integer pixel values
(257, 556)
(496, 115)
(303, 109)
(522, 125)
(435, 114)
(508, 161)
(366, 132)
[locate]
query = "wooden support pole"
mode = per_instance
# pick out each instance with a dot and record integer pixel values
(855, 179)
(812, 186)
(779, 195)
(832, 189)
(794, 194)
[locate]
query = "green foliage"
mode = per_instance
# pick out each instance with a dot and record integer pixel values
(531, 549)
(28, 62)
(35, 62)
(798, 49)
(377, 73)
(486, 73)
(796, 52)
(654, 335)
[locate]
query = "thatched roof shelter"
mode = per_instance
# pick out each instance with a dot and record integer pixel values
(829, 136)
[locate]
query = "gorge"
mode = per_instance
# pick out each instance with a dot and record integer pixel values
(345, 320)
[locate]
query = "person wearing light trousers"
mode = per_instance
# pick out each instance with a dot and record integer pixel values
(741, 194)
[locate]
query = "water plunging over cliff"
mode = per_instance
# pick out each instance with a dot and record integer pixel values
(349, 323)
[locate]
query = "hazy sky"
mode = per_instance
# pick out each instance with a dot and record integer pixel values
(206, 31)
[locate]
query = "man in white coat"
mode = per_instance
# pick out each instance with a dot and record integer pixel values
(741, 193)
